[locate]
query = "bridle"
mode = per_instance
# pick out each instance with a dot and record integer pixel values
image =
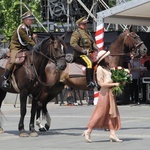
(136, 45)
(53, 60)
(58, 49)
(132, 41)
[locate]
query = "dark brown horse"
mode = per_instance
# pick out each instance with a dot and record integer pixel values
(124, 44)
(30, 77)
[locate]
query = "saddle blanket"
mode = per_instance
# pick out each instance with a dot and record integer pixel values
(76, 69)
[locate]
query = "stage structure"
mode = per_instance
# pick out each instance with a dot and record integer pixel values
(133, 12)
(60, 15)
(65, 12)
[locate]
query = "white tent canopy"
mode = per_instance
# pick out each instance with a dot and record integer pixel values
(135, 12)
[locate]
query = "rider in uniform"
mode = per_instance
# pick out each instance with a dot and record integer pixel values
(83, 44)
(22, 39)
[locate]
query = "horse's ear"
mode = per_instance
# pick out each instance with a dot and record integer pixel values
(131, 28)
(51, 35)
(61, 39)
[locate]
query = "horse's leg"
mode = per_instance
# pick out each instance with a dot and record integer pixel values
(45, 98)
(38, 120)
(47, 117)
(23, 103)
(2, 96)
(33, 132)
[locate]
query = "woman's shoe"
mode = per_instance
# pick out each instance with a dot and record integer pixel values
(114, 138)
(87, 136)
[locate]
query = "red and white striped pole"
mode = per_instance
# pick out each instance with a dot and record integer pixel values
(96, 95)
(99, 39)
(99, 36)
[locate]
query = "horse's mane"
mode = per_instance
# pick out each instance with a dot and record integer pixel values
(115, 47)
(39, 46)
(120, 35)
(42, 44)
(49, 42)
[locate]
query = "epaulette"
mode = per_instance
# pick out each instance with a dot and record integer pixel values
(23, 26)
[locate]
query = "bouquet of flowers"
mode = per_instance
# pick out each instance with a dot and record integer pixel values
(121, 75)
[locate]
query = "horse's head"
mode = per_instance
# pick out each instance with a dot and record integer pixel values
(52, 48)
(59, 52)
(134, 44)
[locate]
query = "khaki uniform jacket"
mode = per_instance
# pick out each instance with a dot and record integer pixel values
(80, 38)
(25, 34)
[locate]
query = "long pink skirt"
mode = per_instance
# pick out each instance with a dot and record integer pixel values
(106, 114)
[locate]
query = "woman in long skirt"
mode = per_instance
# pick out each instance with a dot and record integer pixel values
(106, 114)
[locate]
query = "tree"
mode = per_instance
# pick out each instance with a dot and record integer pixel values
(10, 15)
(111, 3)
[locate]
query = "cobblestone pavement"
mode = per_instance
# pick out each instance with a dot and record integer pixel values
(69, 122)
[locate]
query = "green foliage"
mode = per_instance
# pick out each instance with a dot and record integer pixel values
(111, 3)
(122, 76)
(10, 15)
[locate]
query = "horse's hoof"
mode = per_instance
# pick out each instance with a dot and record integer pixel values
(47, 127)
(34, 134)
(1, 130)
(42, 129)
(23, 134)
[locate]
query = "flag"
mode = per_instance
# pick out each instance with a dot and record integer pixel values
(99, 36)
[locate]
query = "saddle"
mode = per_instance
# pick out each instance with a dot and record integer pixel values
(76, 70)
(20, 59)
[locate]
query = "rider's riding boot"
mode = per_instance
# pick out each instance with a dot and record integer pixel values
(6, 83)
(89, 77)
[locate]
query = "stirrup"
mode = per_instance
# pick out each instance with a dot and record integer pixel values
(6, 84)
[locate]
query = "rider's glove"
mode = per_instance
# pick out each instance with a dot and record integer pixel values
(84, 51)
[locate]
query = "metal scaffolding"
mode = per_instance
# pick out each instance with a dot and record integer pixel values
(91, 13)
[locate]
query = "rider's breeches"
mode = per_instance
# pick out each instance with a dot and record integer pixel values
(86, 61)
(10, 66)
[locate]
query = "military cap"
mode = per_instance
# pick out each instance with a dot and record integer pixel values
(28, 15)
(82, 20)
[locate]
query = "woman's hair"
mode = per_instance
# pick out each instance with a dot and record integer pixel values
(103, 63)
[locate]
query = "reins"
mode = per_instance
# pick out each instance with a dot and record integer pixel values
(136, 45)
(119, 54)
(41, 82)
(39, 52)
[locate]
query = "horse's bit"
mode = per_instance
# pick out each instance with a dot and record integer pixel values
(135, 44)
